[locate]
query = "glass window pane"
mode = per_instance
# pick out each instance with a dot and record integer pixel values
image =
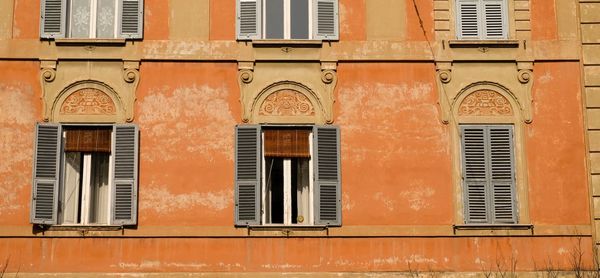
(105, 19)
(70, 191)
(299, 19)
(274, 19)
(80, 18)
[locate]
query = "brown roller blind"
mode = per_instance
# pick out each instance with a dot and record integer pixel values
(286, 143)
(88, 140)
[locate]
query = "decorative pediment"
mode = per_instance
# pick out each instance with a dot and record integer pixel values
(88, 101)
(286, 102)
(485, 103)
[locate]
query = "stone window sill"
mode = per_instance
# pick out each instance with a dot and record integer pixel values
(289, 43)
(493, 229)
(89, 42)
(78, 230)
(288, 231)
(483, 43)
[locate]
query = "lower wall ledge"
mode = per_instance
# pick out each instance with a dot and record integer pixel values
(347, 231)
(411, 274)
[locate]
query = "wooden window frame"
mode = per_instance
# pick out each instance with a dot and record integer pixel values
(93, 20)
(287, 26)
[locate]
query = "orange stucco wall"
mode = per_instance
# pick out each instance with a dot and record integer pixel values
(556, 147)
(397, 163)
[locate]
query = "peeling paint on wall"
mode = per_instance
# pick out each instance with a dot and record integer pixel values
(194, 120)
(16, 139)
(160, 200)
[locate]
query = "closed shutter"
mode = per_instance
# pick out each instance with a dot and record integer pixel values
(489, 174)
(327, 175)
(46, 167)
(131, 23)
(53, 18)
(468, 19)
(475, 174)
(502, 174)
(495, 19)
(325, 19)
(248, 19)
(125, 174)
(247, 175)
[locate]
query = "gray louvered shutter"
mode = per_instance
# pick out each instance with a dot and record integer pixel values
(247, 175)
(468, 19)
(328, 204)
(502, 174)
(325, 19)
(46, 165)
(474, 174)
(125, 174)
(489, 174)
(494, 12)
(249, 20)
(131, 23)
(53, 18)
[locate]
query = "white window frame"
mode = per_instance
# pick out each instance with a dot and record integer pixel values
(93, 19)
(86, 180)
(287, 25)
(287, 215)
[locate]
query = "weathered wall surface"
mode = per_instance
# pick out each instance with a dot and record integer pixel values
(399, 171)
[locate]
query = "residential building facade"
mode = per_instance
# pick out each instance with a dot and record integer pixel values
(255, 137)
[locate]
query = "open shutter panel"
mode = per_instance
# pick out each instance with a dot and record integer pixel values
(468, 19)
(502, 174)
(247, 175)
(44, 202)
(248, 19)
(325, 20)
(327, 175)
(131, 25)
(474, 174)
(125, 174)
(53, 17)
(495, 19)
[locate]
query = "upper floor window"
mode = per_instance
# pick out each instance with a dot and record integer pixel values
(85, 175)
(92, 19)
(488, 171)
(287, 19)
(287, 175)
(481, 19)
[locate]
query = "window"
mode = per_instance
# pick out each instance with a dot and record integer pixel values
(488, 174)
(92, 19)
(85, 175)
(481, 19)
(287, 175)
(287, 19)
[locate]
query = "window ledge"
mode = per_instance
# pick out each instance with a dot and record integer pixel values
(288, 231)
(84, 227)
(493, 229)
(483, 43)
(292, 43)
(90, 42)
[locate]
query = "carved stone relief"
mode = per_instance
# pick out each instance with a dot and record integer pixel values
(88, 101)
(286, 103)
(485, 103)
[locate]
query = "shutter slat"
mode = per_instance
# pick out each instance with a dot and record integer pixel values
(325, 20)
(132, 19)
(502, 174)
(468, 19)
(327, 175)
(125, 174)
(494, 19)
(247, 173)
(53, 18)
(248, 19)
(45, 174)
